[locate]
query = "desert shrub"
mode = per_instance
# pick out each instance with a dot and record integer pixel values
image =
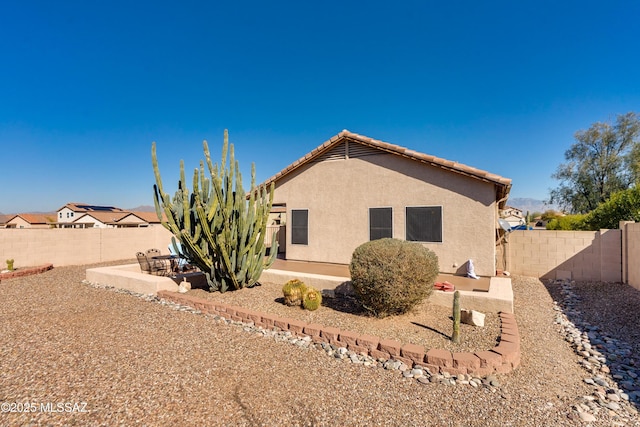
(621, 206)
(392, 276)
(568, 222)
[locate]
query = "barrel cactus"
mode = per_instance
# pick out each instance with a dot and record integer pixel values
(293, 291)
(312, 299)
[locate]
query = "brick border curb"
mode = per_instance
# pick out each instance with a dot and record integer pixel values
(26, 271)
(501, 359)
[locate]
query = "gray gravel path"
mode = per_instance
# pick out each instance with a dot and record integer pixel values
(140, 363)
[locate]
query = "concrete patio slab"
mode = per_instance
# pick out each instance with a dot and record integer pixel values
(493, 294)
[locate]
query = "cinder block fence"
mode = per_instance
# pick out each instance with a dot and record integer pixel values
(604, 255)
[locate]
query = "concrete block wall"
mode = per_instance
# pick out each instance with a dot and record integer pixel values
(68, 246)
(631, 254)
(544, 253)
(579, 255)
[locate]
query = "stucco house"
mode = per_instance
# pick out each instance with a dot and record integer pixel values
(139, 219)
(4, 219)
(513, 216)
(29, 220)
(352, 189)
(72, 211)
(97, 220)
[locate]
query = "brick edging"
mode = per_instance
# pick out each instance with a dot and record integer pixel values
(501, 359)
(26, 271)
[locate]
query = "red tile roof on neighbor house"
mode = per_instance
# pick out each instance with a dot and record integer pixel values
(150, 217)
(36, 218)
(503, 185)
(103, 217)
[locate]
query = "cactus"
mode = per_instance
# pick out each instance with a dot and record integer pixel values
(455, 336)
(217, 227)
(293, 291)
(311, 299)
(10, 264)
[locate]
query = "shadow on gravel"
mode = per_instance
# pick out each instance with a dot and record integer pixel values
(341, 303)
(432, 329)
(608, 318)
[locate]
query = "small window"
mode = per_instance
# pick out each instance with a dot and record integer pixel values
(380, 223)
(424, 224)
(299, 226)
(60, 214)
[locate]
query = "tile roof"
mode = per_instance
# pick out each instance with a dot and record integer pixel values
(36, 218)
(150, 217)
(502, 184)
(84, 207)
(103, 217)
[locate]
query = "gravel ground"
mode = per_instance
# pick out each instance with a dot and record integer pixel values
(138, 362)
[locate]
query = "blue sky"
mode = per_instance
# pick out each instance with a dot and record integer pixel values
(85, 87)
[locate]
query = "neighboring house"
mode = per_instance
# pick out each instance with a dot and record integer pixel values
(139, 219)
(72, 211)
(97, 220)
(513, 216)
(27, 220)
(4, 219)
(353, 189)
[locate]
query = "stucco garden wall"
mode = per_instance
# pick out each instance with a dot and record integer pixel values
(68, 246)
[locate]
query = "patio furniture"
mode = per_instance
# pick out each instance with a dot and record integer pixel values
(182, 263)
(168, 263)
(151, 266)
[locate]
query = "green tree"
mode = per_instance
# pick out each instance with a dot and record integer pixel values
(622, 206)
(604, 159)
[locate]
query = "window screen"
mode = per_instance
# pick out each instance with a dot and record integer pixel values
(300, 226)
(424, 224)
(380, 223)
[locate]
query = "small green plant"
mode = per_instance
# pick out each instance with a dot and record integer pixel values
(455, 336)
(293, 291)
(312, 299)
(10, 264)
(392, 276)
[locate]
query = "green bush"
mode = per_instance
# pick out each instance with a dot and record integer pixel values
(568, 222)
(392, 276)
(621, 206)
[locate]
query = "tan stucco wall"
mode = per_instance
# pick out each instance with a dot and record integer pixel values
(339, 193)
(74, 246)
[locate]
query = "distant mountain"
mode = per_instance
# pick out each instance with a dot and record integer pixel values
(531, 205)
(142, 208)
